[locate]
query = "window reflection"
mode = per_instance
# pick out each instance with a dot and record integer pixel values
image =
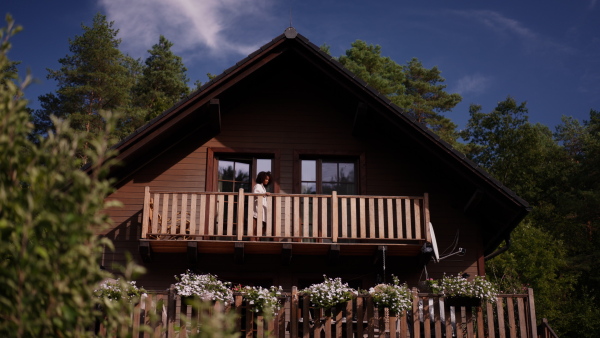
(326, 176)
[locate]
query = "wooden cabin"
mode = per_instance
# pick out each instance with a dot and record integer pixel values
(359, 189)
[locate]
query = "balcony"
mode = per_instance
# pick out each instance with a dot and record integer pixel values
(217, 222)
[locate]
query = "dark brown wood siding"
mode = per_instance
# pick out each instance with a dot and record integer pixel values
(297, 110)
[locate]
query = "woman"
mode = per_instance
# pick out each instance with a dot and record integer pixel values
(262, 181)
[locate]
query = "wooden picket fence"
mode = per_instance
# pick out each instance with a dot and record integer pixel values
(168, 315)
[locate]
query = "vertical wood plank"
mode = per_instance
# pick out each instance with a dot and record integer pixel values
(532, 320)
(173, 224)
(363, 220)
(353, 224)
(426, 215)
(334, 217)
(315, 217)
(269, 218)
(220, 214)
(183, 222)
(448, 317)
(380, 218)
(522, 317)
(372, 233)
(390, 218)
(372, 320)
(510, 308)
(490, 321)
(202, 224)
(146, 213)
(399, 223)
(324, 223)
(437, 316)
(415, 313)
(211, 215)
(349, 318)
(258, 200)
(288, 216)
(240, 214)
(426, 318)
(294, 303)
(418, 224)
(344, 222)
(296, 232)
(229, 223)
(193, 214)
(408, 219)
(250, 216)
(306, 317)
(155, 220)
(165, 214)
(360, 316)
(500, 312)
(277, 213)
(306, 217)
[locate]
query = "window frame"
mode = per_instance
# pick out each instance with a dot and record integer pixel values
(357, 157)
(212, 170)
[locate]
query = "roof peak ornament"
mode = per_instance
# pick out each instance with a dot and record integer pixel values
(290, 32)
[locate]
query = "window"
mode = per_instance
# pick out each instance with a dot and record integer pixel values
(322, 176)
(235, 172)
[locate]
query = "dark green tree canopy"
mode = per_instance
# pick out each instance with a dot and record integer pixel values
(416, 89)
(163, 82)
(92, 78)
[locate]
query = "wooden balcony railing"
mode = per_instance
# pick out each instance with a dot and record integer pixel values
(166, 314)
(289, 217)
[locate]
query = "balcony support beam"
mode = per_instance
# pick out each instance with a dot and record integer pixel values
(192, 252)
(145, 251)
(286, 254)
(334, 254)
(238, 255)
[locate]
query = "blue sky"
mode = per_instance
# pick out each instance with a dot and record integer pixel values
(544, 52)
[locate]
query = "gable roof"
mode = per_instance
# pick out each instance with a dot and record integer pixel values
(193, 112)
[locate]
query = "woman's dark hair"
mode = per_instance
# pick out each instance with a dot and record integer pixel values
(262, 175)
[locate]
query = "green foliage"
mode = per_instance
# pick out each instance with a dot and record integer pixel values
(213, 322)
(93, 78)
(163, 80)
(48, 213)
(416, 89)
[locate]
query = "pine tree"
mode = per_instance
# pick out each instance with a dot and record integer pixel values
(94, 77)
(418, 90)
(163, 81)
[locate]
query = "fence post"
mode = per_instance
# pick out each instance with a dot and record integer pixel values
(426, 217)
(294, 312)
(171, 308)
(146, 211)
(334, 217)
(415, 313)
(532, 318)
(240, 214)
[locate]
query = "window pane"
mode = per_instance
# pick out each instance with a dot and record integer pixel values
(226, 170)
(245, 186)
(225, 186)
(346, 189)
(309, 170)
(242, 172)
(330, 172)
(309, 188)
(263, 164)
(328, 188)
(346, 172)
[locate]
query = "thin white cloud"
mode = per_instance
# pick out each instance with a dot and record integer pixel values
(513, 29)
(472, 84)
(211, 25)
